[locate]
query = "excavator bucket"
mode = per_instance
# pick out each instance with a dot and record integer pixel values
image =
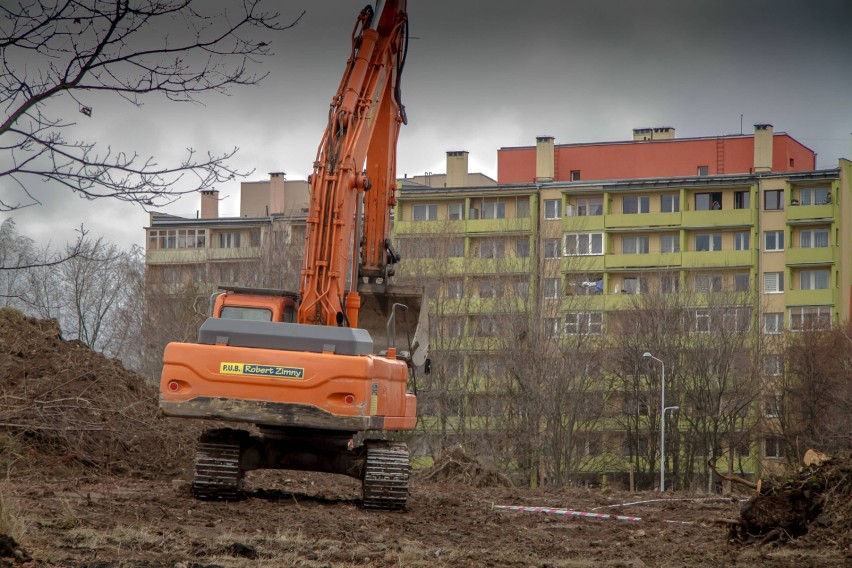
(396, 316)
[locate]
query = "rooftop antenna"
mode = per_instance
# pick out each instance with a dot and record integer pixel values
(741, 124)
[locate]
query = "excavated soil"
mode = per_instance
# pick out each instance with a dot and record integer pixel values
(95, 479)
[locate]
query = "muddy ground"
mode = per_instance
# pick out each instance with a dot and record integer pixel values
(93, 477)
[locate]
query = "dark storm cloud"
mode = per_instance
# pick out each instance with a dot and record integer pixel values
(481, 75)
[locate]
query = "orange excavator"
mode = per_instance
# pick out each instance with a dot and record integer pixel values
(304, 367)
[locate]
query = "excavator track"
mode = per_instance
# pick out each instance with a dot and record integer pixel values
(385, 481)
(218, 476)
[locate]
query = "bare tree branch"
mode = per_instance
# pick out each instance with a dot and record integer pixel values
(134, 49)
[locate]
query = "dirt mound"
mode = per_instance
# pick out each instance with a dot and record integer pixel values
(66, 405)
(458, 467)
(815, 504)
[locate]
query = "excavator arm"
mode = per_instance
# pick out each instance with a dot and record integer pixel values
(348, 224)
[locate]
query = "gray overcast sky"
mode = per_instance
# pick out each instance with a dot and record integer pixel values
(482, 75)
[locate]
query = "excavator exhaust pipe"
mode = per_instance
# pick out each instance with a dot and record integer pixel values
(391, 325)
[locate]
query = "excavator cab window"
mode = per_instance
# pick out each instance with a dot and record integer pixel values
(249, 314)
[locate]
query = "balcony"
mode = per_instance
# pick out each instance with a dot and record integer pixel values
(722, 258)
(583, 223)
(824, 255)
(802, 212)
(718, 218)
(590, 263)
(638, 220)
(194, 256)
(642, 260)
(809, 297)
(498, 225)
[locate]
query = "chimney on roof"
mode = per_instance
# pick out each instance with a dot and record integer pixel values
(209, 204)
(457, 168)
(277, 201)
(763, 134)
(544, 158)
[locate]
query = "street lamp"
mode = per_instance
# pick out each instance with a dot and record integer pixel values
(647, 355)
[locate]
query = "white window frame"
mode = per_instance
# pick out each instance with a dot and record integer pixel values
(551, 288)
(640, 284)
(773, 282)
(815, 279)
(230, 239)
(551, 248)
(673, 205)
(577, 323)
(639, 244)
(455, 288)
(777, 239)
(714, 242)
(799, 313)
(809, 196)
(643, 204)
(810, 238)
(742, 240)
(497, 248)
(704, 283)
(773, 323)
(455, 211)
(589, 206)
(424, 212)
(522, 247)
(552, 209)
(584, 244)
(738, 276)
(669, 242)
(493, 209)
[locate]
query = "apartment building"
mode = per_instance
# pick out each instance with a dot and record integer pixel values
(778, 242)
(655, 152)
(208, 250)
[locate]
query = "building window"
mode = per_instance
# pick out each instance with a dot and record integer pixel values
(708, 241)
(522, 289)
(773, 282)
(773, 240)
(773, 365)
(551, 248)
(455, 327)
(773, 323)
(708, 283)
(552, 209)
(583, 285)
(490, 289)
(522, 207)
(742, 240)
(632, 285)
(814, 196)
(635, 244)
(491, 248)
(742, 199)
(703, 170)
(493, 210)
(772, 406)
(455, 288)
(455, 248)
(773, 448)
(813, 279)
(587, 207)
(670, 283)
(177, 238)
(551, 287)
(708, 201)
(551, 327)
(702, 321)
(810, 317)
(813, 238)
(670, 203)
(577, 323)
(425, 212)
(670, 243)
(636, 204)
(741, 282)
(455, 211)
(773, 200)
(584, 244)
(522, 247)
(229, 240)
(736, 319)
(486, 327)
(575, 175)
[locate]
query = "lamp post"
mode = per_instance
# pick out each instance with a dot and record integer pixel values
(647, 355)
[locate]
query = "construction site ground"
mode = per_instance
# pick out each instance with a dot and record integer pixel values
(93, 477)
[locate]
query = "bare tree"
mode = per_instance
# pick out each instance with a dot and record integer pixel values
(57, 55)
